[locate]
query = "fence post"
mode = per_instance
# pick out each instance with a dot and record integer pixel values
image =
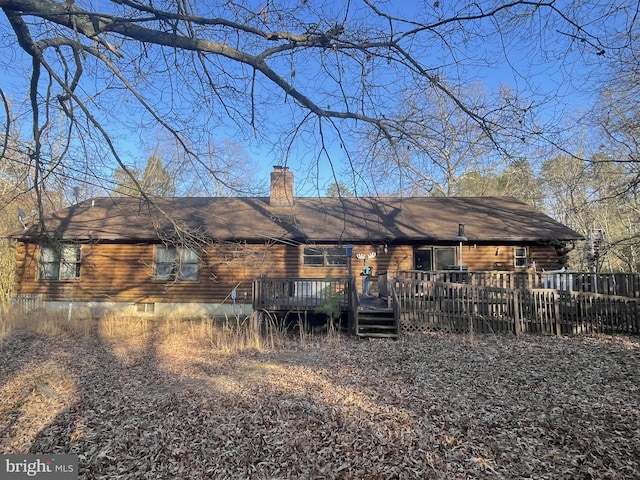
(556, 313)
(516, 312)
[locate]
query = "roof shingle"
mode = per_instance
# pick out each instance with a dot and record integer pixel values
(326, 219)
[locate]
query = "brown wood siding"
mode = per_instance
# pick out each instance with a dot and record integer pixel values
(488, 257)
(124, 272)
(475, 257)
(502, 257)
(545, 257)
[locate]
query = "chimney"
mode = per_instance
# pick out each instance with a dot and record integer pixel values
(281, 187)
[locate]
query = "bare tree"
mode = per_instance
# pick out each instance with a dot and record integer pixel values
(297, 76)
(439, 146)
(584, 194)
(617, 118)
(224, 169)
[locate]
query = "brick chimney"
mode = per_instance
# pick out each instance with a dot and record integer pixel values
(281, 187)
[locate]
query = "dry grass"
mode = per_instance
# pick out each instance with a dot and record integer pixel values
(5, 326)
(229, 335)
(240, 399)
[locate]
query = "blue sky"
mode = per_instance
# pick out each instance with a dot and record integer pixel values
(548, 68)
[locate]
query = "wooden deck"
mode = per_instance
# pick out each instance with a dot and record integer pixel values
(549, 303)
(299, 294)
(368, 316)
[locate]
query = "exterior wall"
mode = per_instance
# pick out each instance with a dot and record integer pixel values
(475, 257)
(124, 272)
(498, 257)
(548, 258)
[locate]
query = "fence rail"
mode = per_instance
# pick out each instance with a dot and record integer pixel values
(618, 284)
(456, 307)
(299, 293)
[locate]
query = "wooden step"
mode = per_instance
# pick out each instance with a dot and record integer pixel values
(375, 313)
(381, 326)
(377, 324)
(378, 335)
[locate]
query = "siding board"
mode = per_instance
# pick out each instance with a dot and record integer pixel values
(121, 272)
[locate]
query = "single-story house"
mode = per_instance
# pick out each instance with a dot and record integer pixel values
(201, 255)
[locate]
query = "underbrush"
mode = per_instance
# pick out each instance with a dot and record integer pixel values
(5, 327)
(258, 331)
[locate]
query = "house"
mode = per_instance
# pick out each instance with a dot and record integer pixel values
(201, 255)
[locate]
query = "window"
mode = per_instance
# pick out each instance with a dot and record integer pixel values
(175, 263)
(520, 257)
(423, 259)
(60, 262)
(325, 256)
(145, 307)
(434, 258)
(445, 257)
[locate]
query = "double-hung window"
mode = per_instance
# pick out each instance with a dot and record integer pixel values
(60, 262)
(520, 257)
(325, 256)
(175, 263)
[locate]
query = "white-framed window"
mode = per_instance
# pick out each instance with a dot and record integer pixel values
(175, 263)
(324, 256)
(145, 307)
(520, 257)
(60, 262)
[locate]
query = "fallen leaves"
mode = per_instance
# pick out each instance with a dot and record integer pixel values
(426, 406)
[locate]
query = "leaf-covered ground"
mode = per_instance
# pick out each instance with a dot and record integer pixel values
(427, 406)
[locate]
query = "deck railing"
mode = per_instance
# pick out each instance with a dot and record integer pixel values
(457, 307)
(299, 293)
(491, 302)
(619, 284)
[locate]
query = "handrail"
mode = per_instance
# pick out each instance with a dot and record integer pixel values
(353, 305)
(395, 303)
(298, 293)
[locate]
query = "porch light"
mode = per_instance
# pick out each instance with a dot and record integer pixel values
(460, 238)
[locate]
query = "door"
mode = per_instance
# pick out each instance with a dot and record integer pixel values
(423, 259)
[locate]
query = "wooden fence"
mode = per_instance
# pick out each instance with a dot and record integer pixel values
(618, 284)
(456, 307)
(25, 303)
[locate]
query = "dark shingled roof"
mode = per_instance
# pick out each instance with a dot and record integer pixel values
(392, 219)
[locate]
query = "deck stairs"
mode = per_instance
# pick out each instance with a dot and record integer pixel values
(376, 320)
